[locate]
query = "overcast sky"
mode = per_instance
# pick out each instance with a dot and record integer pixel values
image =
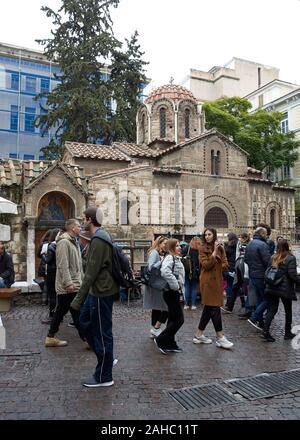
(177, 35)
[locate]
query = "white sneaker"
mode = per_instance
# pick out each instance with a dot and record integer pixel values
(186, 307)
(201, 340)
(154, 332)
(115, 361)
(194, 308)
(223, 343)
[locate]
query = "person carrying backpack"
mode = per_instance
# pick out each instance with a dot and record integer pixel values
(190, 261)
(284, 267)
(99, 286)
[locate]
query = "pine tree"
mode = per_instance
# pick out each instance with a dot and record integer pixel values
(83, 45)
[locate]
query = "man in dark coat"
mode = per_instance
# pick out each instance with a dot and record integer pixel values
(7, 273)
(257, 256)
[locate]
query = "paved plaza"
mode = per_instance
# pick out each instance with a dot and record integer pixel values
(45, 383)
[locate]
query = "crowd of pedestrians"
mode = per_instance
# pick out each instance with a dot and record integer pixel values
(79, 267)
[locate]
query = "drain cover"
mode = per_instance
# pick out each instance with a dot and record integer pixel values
(266, 385)
(203, 396)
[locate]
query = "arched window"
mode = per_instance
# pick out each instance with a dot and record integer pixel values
(216, 218)
(187, 115)
(212, 161)
(217, 163)
(143, 128)
(215, 160)
(273, 218)
(162, 122)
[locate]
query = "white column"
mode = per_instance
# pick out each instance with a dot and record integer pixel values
(30, 252)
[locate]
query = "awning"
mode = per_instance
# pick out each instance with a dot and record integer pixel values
(8, 207)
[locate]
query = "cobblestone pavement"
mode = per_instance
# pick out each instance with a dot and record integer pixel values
(45, 383)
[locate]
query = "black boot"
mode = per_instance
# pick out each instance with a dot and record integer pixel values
(289, 335)
(268, 337)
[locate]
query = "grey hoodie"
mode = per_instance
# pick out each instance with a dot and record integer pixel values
(174, 277)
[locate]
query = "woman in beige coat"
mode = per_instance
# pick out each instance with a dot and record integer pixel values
(213, 263)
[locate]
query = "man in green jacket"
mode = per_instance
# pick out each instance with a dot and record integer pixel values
(97, 291)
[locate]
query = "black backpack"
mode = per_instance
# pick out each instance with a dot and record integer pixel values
(274, 276)
(121, 270)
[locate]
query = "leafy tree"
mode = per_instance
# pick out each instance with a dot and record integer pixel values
(257, 133)
(83, 45)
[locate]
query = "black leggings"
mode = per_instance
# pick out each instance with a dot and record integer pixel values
(158, 315)
(211, 313)
(272, 310)
(176, 319)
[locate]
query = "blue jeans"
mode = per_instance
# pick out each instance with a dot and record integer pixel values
(3, 284)
(190, 285)
(229, 281)
(96, 323)
(262, 302)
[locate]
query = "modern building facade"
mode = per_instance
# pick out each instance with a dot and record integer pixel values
(237, 78)
(24, 73)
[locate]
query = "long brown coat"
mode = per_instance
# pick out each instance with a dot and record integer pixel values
(211, 279)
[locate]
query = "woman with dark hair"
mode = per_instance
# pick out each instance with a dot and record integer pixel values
(286, 262)
(172, 271)
(48, 255)
(213, 263)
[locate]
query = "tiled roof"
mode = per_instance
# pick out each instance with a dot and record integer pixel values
(121, 171)
(171, 91)
(25, 172)
(207, 133)
(92, 151)
(134, 150)
(18, 171)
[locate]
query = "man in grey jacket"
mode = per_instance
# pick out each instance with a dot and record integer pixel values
(68, 278)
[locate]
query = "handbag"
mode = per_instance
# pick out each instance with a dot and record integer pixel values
(274, 276)
(156, 281)
(145, 275)
(187, 263)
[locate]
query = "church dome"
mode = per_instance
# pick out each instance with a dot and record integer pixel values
(170, 91)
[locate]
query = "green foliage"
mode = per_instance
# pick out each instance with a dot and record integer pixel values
(53, 151)
(257, 133)
(84, 46)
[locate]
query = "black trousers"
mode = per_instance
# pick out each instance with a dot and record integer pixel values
(158, 315)
(211, 313)
(51, 293)
(272, 310)
(175, 320)
(61, 309)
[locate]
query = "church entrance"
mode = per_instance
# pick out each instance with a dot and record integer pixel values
(54, 209)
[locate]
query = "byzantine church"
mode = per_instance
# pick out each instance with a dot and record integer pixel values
(175, 170)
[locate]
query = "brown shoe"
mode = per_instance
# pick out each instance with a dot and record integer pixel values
(54, 342)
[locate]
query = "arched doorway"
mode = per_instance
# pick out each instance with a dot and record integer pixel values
(216, 218)
(53, 210)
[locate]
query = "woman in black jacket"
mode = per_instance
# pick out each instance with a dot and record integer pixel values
(285, 260)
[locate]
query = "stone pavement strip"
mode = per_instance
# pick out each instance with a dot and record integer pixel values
(45, 383)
